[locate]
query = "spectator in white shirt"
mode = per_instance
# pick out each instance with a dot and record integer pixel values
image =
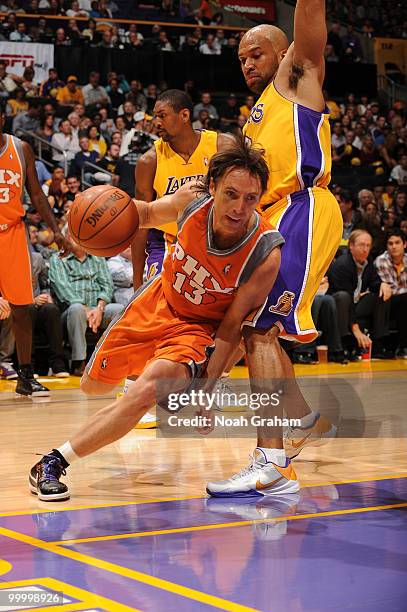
(20, 35)
(121, 270)
(76, 10)
(93, 92)
(65, 141)
(211, 46)
(399, 172)
(338, 138)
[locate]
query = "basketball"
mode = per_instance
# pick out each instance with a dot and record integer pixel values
(103, 220)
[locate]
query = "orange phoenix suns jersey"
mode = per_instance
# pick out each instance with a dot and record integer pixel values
(199, 281)
(173, 171)
(12, 179)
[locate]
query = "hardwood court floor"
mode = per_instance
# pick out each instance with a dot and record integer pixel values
(140, 534)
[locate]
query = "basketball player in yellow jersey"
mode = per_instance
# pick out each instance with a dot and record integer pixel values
(180, 155)
(290, 122)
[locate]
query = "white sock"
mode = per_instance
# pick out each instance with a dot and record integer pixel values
(68, 452)
(276, 455)
(127, 384)
(309, 419)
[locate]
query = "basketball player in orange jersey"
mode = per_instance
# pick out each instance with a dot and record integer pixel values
(181, 154)
(17, 170)
(222, 266)
(290, 121)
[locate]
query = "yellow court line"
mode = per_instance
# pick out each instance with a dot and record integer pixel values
(173, 499)
(86, 599)
(159, 583)
(291, 517)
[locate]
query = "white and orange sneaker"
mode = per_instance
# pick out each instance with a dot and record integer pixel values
(261, 477)
(317, 433)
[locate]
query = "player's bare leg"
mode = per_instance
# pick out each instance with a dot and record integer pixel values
(107, 425)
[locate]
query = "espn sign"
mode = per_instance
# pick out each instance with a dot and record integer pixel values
(257, 10)
(19, 56)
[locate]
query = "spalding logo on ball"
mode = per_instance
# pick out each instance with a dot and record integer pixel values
(103, 220)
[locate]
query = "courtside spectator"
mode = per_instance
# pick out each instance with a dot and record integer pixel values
(66, 141)
(94, 94)
(206, 103)
(392, 269)
(121, 270)
(362, 299)
(84, 155)
(84, 289)
(28, 121)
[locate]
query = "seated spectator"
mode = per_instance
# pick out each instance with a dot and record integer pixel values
(84, 155)
(73, 188)
(117, 138)
(90, 32)
(84, 288)
(347, 154)
(115, 94)
(121, 270)
(229, 113)
(370, 156)
(186, 12)
(47, 129)
(8, 82)
(109, 163)
(46, 316)
(94, 94)
(334, 39)
(200, 123)
(190, 44)
(57, 190)
(210, 46)
(71, 94)
(136, 96)
(365, 196)
(20, 34)
(400, 203)
(163, 42)
(49, 88)
(124, 178)
(73, 33)
(338, 136)
(126, 36)
(399, 172)
(106, 125)
(66, 142)
(351, 45)
(17, 105)
(28, 121)
(96, 141)
(392, 269)
(362, 299)
(7, 342)
(107, 41)
(151, 94)
(206, 103)
(128, 115)
(352, 217)
(61, 39)
(76, 11)
(247, 107)
(74, 122)
(30, 87)
(42, 172)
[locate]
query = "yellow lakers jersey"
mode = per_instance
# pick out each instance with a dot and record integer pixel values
(173, 171)
(297, 144)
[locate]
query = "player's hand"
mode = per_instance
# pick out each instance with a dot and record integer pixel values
(94, 316)
(208, 424)
(385, 292)
(65, 246)
(5, 309)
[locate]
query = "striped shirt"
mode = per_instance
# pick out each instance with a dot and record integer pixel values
(388, 272)
(80, 282)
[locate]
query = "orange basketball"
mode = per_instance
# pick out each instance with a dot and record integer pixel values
(103, 220)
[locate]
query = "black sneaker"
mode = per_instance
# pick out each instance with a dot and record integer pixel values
(27, 385)
(44, 479)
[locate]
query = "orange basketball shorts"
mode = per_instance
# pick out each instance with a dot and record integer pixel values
(148, 330)
(15, 265)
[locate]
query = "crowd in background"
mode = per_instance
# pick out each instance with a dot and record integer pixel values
(386, 18)
(94, 133)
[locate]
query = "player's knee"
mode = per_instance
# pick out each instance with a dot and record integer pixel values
(91, 386)
(254, 338)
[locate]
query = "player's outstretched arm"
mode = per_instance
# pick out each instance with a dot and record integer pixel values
(40, 202)
(144, 180)
(310, 34)
(166, 209)
(249, 296)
